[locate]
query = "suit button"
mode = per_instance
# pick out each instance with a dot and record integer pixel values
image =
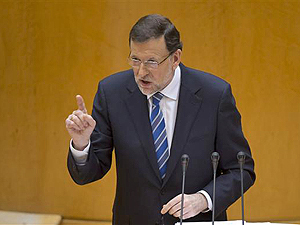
(162, 192)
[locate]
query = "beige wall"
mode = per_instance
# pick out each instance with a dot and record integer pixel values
(52, 50)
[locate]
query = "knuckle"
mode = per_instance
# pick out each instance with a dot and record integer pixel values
(75, 118)
(77, 112)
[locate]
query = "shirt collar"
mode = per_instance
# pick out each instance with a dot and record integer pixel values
(172, 89)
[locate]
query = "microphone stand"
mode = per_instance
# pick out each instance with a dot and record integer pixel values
(241, 156)
(184, 162)
(215, 160)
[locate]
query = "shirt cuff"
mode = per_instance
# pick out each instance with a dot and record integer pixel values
(208, 199)
(80, 157)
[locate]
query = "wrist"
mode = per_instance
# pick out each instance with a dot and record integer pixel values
(203, 202)
(80, 146)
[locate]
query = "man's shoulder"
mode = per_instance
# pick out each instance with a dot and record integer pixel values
(117, 83)
(191, 76)
(118, 78)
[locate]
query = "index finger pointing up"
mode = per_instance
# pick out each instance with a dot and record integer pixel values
(80, 103)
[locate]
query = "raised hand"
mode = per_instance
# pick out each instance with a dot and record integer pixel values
(80, 125)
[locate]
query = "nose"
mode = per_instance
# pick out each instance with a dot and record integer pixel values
(142, 70)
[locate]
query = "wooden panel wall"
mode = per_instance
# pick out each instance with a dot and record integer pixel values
(52, 50)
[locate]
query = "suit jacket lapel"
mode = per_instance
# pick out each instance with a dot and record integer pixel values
(138, 108)
(188, 106)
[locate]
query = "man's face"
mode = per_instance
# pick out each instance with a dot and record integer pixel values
(151, 80)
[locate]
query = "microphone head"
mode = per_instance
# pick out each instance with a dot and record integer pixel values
(185, 160)
(215, 157)
(241, 156)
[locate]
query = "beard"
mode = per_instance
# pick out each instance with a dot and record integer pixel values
(150, 84)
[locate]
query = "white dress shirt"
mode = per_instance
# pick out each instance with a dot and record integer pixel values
(168, 106)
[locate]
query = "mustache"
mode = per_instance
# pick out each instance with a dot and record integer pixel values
(145, 78)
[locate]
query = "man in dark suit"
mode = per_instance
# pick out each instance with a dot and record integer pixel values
(151, 115)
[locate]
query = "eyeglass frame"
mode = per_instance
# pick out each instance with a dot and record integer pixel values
(147, 65)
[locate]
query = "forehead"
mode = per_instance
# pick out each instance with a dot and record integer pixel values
(151, 48)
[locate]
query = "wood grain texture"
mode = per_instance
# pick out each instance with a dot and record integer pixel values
(52, 50)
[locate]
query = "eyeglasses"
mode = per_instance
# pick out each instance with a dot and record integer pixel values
(150, 64)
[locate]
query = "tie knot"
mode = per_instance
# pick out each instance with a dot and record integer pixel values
(156, 98)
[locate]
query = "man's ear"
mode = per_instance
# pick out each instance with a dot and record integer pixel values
(176, 58)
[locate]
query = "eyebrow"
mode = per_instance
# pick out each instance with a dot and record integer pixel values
(134, 56)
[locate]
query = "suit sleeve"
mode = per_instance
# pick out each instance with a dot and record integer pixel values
(100, 152)
(229, 141)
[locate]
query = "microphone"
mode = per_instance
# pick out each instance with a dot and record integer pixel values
(241, 156)
(184, 162)
(215, 160)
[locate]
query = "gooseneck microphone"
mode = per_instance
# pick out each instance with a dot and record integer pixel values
(215, 160)
(241, 156)
(184, 162)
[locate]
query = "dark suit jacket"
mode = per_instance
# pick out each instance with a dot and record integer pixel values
(207, 121)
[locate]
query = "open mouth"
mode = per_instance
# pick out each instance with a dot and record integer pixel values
(144, 82)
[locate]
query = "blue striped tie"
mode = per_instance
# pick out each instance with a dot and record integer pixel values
(159, 134)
